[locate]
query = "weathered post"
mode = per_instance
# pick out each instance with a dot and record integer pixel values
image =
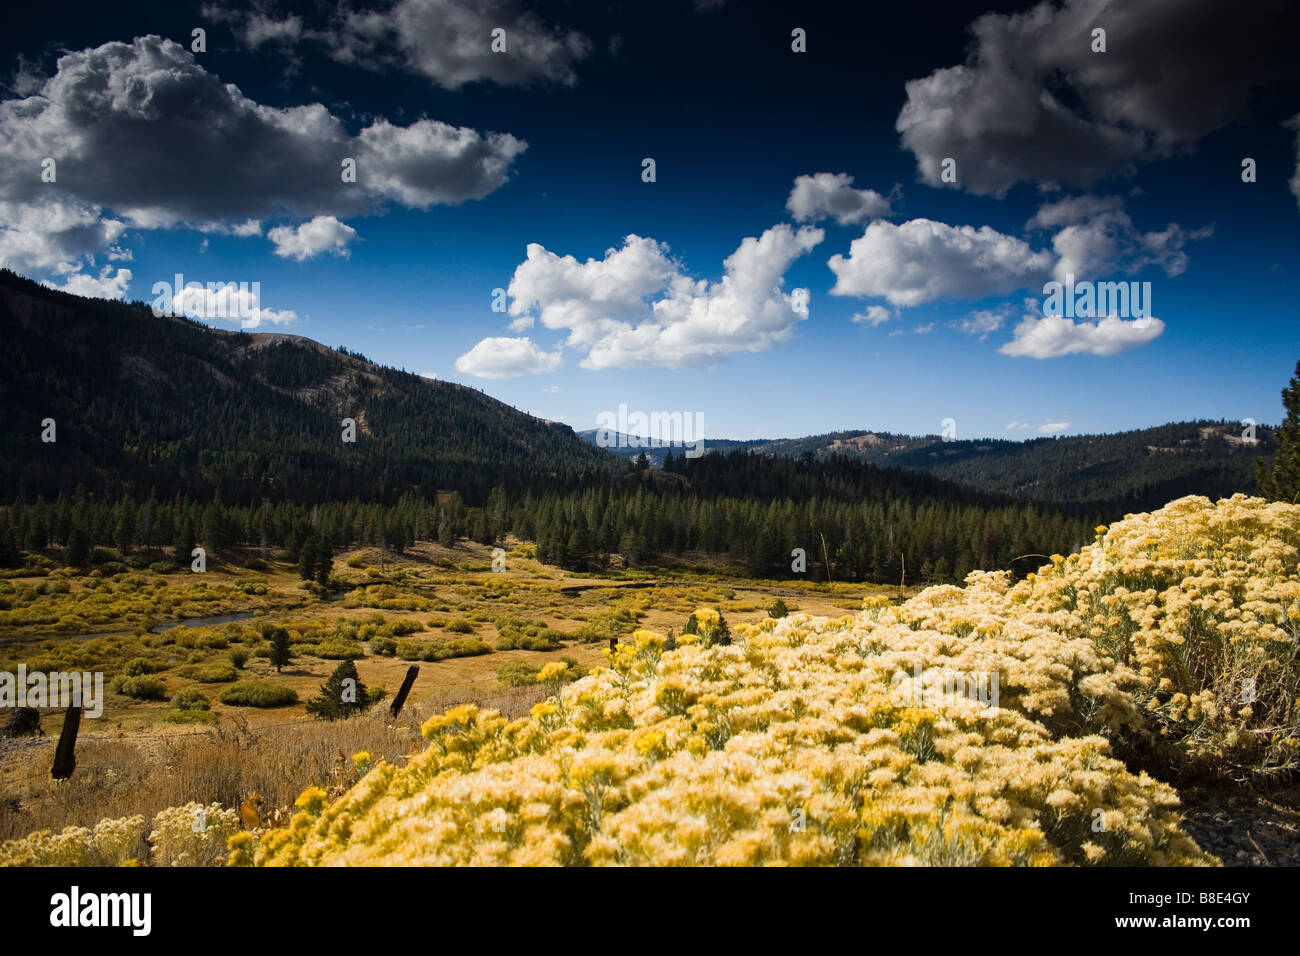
(65, 757)
(406, 689)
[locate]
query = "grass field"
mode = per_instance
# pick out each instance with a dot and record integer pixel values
(387, 611)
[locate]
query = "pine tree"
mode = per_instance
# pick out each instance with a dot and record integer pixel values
(78, 553)
(281, 653)
(341, 696)
(324, 561)
(1281, 480)
(308, 555)
(185, 542)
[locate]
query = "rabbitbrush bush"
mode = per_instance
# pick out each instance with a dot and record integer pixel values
(837, 741)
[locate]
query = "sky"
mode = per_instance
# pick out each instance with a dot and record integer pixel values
(852, 221)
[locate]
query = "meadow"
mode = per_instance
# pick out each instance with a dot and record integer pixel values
(1162, 656)
(170, 733)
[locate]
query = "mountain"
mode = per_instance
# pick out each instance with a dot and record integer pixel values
(1130, 471)
(142, 402)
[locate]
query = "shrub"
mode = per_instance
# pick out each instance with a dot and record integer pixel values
(459, 626)
(517, 674)
(383, 647)
(190, 699)
(337, 650)
(193, 716)
(192, 835)
(258, 694)
(217, 672)
(255, 564)
(143, 687)
(141, 665)
(778, 609)
(239, 657)
(164, 567)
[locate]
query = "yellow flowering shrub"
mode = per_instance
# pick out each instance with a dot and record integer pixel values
(1201, 600)
(109, 843)
(192, 835)
(802, 742)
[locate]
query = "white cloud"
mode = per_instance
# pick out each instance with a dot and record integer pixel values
(922, 260)
(1051, 428)
(1051, 336)
(1019, 426)
(103, 102)
(1095, 236)
(925, 329)
(983, 322)
(1034, 104)
(54, 235)
(310, 239)
(823, 195)
(874, 315)
(225, 302)
(504, 357)
(447, 41)
(637, 306)
(108, 285)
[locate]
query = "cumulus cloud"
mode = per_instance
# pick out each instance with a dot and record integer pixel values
(874, 315)
(504, 357)
(922, 260)
(1051, 336)
(1051, 428)
(107, 285)
(322, 234)
(54, 235)
(832, 195)
(1034, 104)
(447, 41)
(143, 135)
(637, 305)
(984, 322)
(1018, 426)
(1094, 235)
(220, 302)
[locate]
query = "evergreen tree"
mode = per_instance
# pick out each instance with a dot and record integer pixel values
(78, 552)
(1280, 481)
(185, 542)
(308, 555)
(341, 696)
(324, 561)
(281, 653)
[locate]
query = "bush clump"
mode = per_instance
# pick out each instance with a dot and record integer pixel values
(258, 694)
(142, 687)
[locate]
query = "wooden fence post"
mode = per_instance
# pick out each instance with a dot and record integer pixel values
(406, 689)
(65, 757)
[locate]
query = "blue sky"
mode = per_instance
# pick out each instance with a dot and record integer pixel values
(402, 265)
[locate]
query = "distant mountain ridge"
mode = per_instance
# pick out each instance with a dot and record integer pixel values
(1134, 470)
(143, 402)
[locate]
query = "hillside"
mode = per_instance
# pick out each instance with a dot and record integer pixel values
(1125, 471)
(143, 402)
